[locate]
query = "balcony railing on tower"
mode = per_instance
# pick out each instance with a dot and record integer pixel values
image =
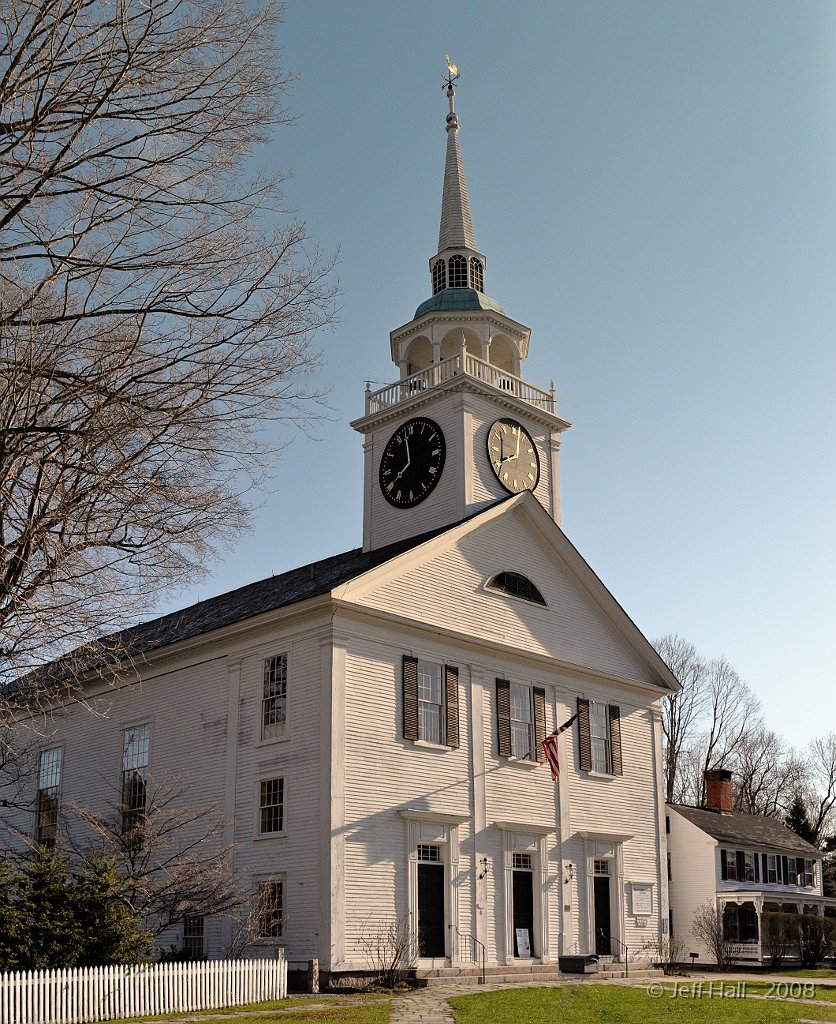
(460, 364)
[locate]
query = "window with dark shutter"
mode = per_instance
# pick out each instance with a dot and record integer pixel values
(785, 870)
(584, 741)
(615, 740)
(757, 868)
(741, 865)
(410, 698)
(724, 866)
(539, 695)
(764, 868)
(451, 686)
(503, 716)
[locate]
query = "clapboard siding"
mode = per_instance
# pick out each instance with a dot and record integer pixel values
(692, 883)
(447, 590)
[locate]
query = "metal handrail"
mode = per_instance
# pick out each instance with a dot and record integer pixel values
(477, 950)
(616, 942)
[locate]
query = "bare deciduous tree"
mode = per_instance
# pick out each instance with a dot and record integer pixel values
(390, 947)
(820, 786)
(156, 307)
(680, 711)
(766, 774)
(707, 927)
(172, 859)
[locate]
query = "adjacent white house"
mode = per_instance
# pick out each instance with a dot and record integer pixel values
(371, 724)
(745, 864)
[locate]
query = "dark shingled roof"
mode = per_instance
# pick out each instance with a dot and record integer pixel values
(287, 588)
(746, 830)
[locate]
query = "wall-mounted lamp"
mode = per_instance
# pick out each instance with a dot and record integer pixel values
(483, 868)
(570, 873)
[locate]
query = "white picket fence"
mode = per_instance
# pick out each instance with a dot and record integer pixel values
(83, 994)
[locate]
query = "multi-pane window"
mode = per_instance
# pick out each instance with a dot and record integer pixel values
(599, 735)
(748, 867)
(274, 697)
(135, 744)
(49, 785)
(522, 861)
(270, 909)
(271, 806)
(193, 928)
(439, 276)
(731, 864)
(809, 875)
(458, 272)
(429, 853)
(477, 275)
(517, 585)
(521, 721)
(771, 869)
(430, 702)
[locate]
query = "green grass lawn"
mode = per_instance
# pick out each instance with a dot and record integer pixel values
(808, 972)
(331, 1008)
(824, 992)
(610, 1004)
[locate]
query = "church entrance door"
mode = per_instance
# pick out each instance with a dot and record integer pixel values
(523, 898)
(431, 910)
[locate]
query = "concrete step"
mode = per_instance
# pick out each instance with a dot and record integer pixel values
(536, 974)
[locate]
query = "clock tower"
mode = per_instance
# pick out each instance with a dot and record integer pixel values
(460, 428)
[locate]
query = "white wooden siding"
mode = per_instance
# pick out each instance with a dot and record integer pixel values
(693, 879)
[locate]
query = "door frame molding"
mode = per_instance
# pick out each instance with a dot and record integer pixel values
(437, 829)
(521, 838)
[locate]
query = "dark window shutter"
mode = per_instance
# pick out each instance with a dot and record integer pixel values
(584, 743)
(764, 867)
(503, 716)
(741, 866)
(757, 868)
(410, 698)
(539, 723)
(451, 687)
(799, 870)
(615, 740)
(724, 867)
(785, 871)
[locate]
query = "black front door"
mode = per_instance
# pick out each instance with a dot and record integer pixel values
(431, 910)
(602, 916)
(523, 908)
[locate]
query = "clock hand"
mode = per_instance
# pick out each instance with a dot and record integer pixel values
(408, 460)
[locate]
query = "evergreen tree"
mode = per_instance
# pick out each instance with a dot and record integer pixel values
(52, 937)
(110, 932)
(798, 821)
(12, 925)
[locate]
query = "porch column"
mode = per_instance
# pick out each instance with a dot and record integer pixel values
(758, 912)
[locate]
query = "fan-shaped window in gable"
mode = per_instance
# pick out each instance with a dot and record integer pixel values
(517, 585)
(439, 276)
(458, 271)
(477, 275)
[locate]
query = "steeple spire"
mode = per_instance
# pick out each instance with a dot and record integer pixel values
(456, 230)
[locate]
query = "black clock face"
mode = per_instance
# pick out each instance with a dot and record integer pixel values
(513, 456)
(412, 462)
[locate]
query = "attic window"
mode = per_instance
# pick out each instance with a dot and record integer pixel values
(516, 585)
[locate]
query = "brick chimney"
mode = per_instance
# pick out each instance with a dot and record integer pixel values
(718, 791)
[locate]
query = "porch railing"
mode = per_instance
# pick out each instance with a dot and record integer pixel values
(460, 364)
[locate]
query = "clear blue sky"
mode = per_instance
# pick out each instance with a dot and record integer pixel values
(654, 186)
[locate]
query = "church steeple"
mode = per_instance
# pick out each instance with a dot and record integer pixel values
(457, 264)
(456, 230)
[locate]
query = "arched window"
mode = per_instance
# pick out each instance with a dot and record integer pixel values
(458, 271)
(439, 276)
(516, 585)
(477, 274)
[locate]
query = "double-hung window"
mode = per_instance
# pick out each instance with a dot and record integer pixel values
(809, 874)
(49, 787)
(135, 747)
(430, 702)
(748, 867)
(274, 697)
(771, 869)
(599, 737)
(271, 807)
(193, 928)
(270, 909)
(520, 720)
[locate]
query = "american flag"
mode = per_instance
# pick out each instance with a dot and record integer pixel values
(550, 747)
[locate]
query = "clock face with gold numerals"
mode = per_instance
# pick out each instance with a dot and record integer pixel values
(412, 462)
(513, 456)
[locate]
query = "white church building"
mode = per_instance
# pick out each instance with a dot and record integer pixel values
(372, 723)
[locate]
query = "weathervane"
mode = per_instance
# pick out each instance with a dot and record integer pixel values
(452, 74)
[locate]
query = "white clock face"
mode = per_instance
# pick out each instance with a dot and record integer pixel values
(513, 456)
